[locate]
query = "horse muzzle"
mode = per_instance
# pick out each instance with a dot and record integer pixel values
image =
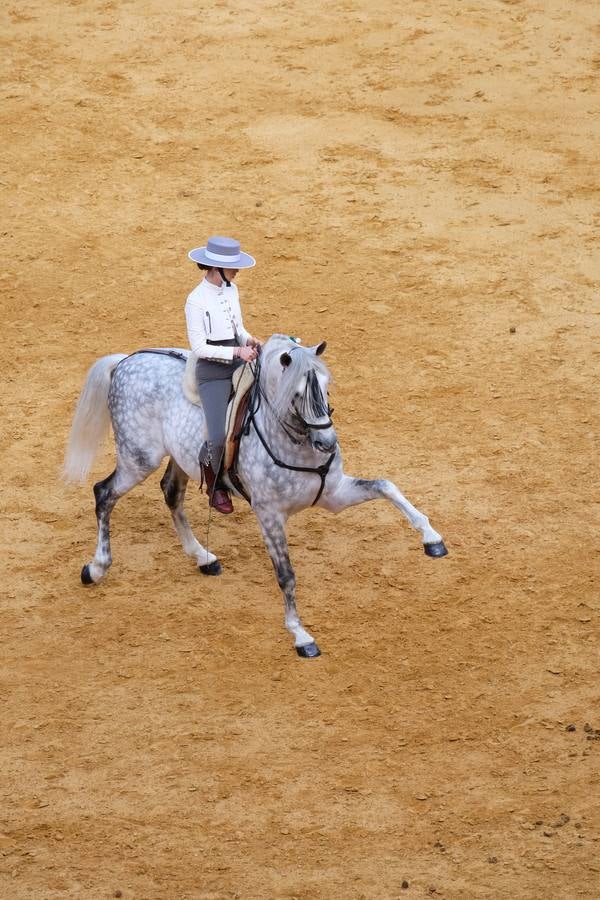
(324, 441)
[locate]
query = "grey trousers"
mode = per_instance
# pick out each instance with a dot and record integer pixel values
(214, 393)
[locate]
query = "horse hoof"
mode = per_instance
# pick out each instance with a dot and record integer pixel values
(436, 550)
(309, 651)
(86, 578)
(213, 568)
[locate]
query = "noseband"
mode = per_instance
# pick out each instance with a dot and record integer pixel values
(312, 425)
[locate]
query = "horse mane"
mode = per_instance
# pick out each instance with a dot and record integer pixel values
(304, 363)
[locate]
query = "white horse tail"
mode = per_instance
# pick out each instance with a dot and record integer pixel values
(91, 420)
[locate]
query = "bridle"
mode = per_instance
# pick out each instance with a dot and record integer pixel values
(256, 399)
(311, 425)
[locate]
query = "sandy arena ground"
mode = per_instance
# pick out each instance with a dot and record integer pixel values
(419, 183)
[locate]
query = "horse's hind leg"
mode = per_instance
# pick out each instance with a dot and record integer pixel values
(107, 493)
(173, 484)
(352, 491)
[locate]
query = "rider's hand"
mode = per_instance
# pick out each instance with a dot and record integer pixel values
(248, 354)
(254, 342)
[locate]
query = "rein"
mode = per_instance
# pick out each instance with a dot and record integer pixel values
(322, 471)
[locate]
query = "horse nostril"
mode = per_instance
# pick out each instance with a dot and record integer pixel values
(325, 446)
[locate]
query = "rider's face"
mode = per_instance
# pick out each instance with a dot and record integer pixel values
(214, 276)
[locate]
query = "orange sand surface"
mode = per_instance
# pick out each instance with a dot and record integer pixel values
(419, 184)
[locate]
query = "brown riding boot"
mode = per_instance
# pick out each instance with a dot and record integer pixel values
(218, 497)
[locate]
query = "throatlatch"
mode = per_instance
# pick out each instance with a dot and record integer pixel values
(222, 274)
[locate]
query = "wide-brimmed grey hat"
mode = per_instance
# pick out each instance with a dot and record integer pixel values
(222, 252)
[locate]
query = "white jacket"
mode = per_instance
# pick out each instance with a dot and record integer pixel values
(213, 313)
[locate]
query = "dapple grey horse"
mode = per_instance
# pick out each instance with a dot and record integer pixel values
(289, 457)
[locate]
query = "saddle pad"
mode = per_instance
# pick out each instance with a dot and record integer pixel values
(242, 381)
(188, 382)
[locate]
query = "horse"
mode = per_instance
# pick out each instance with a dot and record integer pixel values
(288, 454)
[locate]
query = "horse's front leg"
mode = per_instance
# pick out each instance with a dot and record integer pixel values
(351, 491)
(273, 529)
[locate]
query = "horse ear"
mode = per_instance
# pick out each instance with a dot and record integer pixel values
(285, 359)
(320, 348)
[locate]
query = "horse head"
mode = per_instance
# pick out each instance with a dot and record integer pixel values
(296, 381)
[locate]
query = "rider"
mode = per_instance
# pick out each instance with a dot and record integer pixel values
(218, 338)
